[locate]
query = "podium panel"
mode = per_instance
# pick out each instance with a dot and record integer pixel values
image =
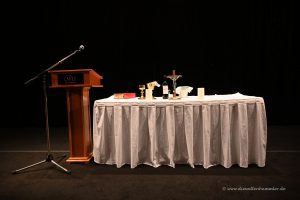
(78, 83)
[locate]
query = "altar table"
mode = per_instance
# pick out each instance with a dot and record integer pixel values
(216, 130)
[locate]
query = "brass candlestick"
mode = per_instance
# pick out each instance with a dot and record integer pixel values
(174, 77)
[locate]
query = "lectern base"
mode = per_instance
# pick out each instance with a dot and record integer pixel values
(85, 159)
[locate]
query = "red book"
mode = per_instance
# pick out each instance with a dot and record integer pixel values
(124, 95)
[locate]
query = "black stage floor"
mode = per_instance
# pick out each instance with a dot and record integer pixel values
(20, 147)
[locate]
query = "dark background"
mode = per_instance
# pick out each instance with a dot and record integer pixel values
(224, 46)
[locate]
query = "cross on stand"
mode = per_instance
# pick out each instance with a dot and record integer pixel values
(174, 77)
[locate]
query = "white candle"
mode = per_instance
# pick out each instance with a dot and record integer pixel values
(149, 94)
(201, 93)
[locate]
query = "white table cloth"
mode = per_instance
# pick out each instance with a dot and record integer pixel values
(216, 130)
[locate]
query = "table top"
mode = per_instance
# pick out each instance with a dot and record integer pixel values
(223, 98)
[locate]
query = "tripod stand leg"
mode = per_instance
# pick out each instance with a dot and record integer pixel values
(38, 163)
(48, 159)
(64, 169)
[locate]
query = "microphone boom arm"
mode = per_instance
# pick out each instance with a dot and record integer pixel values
(54, 65)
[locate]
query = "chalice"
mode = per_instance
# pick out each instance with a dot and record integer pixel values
(142, 88)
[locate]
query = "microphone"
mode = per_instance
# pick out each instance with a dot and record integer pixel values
(81, 48)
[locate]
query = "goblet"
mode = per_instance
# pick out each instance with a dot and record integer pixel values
(142, 88)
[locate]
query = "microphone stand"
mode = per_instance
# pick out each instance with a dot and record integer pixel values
(49, 156)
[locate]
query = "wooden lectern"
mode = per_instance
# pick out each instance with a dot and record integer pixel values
(78, 82)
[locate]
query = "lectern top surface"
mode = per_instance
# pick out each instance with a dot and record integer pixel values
(70, 70)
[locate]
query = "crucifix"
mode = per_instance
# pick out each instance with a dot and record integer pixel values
(174, 77)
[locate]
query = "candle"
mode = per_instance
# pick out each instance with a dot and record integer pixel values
(201, 93)
(149, 94)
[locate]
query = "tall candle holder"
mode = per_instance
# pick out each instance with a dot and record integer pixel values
(174, 77)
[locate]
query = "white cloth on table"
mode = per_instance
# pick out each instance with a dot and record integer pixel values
(216, 130)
